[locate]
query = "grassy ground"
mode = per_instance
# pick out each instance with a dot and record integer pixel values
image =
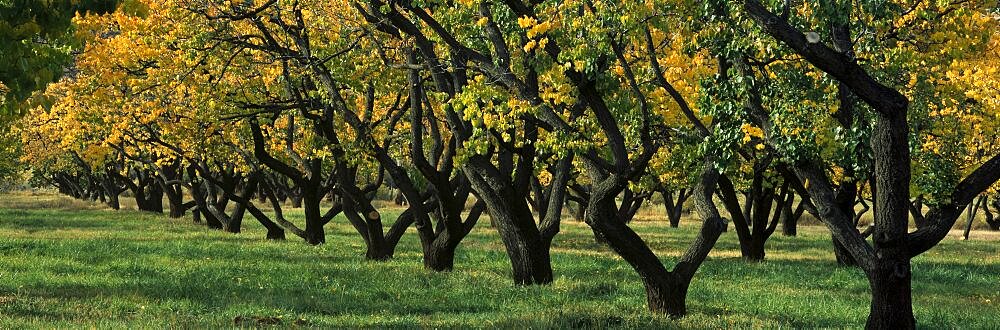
(69, 264)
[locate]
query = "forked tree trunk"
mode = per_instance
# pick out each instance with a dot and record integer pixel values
(758, 217)
(176, 207)
(917, 212)
(199, 193)
(887, 264)
(666, 291)
(377, 248)
(528, 253)
(675, 219)
(790, 220)
(579, 212)
(674, 208)
(439, 245)
(529, 256)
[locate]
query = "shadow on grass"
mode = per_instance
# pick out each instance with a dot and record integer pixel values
(130, 260)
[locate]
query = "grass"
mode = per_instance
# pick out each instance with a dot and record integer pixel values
(65, 263)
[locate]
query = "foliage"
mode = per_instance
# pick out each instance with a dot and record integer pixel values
(34, 45)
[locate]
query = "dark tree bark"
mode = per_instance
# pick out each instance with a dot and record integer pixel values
(113, 190)
(527, 249)
(244, 203)
(170, 176)
(310, 184)
(917, 212)
(175, 201)
(887, 261)
(213, 187)
(630, 204)
(991, 221)
(674, 207)
(790, 218)
(755, 221)
(972, 210)
(199, 194)
(146, 191)
(153, 201)
(503, 186)
(315, 234)
(665, 290)
(448, 190)
(579, 209)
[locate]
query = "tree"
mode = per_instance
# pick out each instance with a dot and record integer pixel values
(887, 261)
(35, 44)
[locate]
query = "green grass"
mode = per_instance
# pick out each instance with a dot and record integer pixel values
(67, 264)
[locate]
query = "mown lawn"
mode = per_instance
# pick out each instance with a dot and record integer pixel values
(66, 264)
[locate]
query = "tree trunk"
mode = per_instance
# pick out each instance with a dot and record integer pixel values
(377, 252)
(971, 216)
(274, 232)
(992, 221)
(891, 306)
(675, 219)
(528, 253)
(113, 202)
(439, 258)
(673, 209)
(844, 258)
(598, 238)
(235, 224)
(790, 220)
(314, 221)
(175, 202)
(666, 291)
(154, 199)
(212, 221)
(201, 200)
(176, 209)
(917, 211)
(398, 198)
(531, 266)
(666, 295)
(579, 212)
(529, 256)
(755, 249)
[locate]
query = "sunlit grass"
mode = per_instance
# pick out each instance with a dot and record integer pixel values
(70, 264)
